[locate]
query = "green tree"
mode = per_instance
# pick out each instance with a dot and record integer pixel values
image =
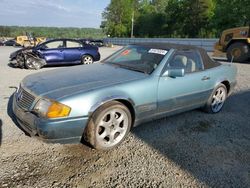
(118, 17)
(174, 18)
(228, 14)
(197, 16)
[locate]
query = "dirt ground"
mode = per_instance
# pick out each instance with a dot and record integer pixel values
(192, 149)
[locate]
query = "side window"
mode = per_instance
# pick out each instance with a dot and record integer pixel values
(73, 44)
(190, 61)
(54, 44)
(228, 37)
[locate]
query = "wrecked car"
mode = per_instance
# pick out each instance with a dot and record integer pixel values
(55, 52)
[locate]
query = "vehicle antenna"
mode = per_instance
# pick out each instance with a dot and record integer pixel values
(232, 59)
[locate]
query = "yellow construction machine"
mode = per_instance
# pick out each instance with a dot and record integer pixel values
(234, 43)
(28, 40)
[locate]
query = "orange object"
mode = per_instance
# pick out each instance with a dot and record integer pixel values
(57, 109)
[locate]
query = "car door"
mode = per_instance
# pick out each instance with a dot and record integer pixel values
(52, 51)
(180, 93)
(72, 52)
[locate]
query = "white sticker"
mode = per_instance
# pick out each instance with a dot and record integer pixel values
(158, 51)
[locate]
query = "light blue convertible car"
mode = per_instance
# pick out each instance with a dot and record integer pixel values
(100, 103)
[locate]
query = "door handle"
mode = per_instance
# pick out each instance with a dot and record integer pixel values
(205, 78)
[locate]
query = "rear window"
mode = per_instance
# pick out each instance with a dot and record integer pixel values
(54, 44)
(73, 44)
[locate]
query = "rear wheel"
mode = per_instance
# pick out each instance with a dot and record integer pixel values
(238, 51)
(108, 126)
(87, 59)
(216, 100)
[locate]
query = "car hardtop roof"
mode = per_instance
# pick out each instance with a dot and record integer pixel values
(169, 46)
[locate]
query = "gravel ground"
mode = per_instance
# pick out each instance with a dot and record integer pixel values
(192, 149)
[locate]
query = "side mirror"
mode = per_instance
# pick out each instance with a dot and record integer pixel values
(174, 72)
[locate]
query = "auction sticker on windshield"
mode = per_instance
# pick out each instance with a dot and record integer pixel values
(158, 51)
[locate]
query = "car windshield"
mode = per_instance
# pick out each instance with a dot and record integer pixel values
(137, 58)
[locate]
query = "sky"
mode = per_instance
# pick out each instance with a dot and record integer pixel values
(57, 13)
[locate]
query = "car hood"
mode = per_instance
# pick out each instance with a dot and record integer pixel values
(14, 54)
(63, 82)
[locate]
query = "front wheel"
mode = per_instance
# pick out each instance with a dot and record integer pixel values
(216, 100)
(108, 126)
(87, 59)
(32, 63)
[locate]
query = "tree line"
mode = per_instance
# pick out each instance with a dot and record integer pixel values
(51, 32)
(174, 18)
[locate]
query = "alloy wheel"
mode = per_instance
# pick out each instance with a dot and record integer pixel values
(218, 99)
(112, 127)
(87, 60)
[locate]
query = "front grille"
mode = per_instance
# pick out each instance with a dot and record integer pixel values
(24, 99)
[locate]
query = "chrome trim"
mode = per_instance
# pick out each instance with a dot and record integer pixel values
(24, 99)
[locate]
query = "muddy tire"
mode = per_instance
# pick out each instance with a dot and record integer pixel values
(216, 101)
(108, 126)
(238, 51)
(87, 59)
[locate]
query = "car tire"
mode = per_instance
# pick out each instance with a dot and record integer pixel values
(217, 99)
(108, 126)
(31, 64)
(87, 59)
(238, 51)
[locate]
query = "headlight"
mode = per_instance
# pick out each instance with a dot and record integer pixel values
(51, 109)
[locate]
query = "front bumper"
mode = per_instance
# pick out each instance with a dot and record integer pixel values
(66, 130)
(13, 62)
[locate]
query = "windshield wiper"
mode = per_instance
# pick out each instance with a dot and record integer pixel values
(131, 68)
(126, 67)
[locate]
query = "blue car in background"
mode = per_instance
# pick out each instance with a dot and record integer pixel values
(55, 52)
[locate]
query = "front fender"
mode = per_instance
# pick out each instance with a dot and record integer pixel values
(85, 104)
(108, 99)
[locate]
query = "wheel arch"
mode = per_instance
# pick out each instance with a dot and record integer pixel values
(226, 83)
(85, 54)
(126, 101)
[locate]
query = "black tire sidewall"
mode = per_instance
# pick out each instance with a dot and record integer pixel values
(240, 45)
